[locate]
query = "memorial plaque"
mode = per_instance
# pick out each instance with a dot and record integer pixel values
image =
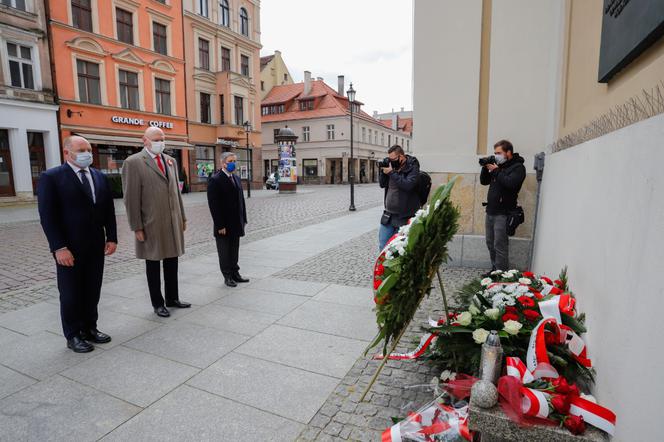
(629, 27)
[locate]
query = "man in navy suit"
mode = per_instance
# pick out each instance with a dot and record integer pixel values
(78, 217)
(229, 216)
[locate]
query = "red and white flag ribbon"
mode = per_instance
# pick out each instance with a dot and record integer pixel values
(537, 359)
(425, 342)
(533, 402)
(593, 414)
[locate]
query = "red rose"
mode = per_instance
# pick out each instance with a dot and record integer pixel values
(548, 280)
(380, 269)
(574, 391)
(575, 424)
(526, 301)
(508, 316)
(559, 283)
(536, 294)
(560, 403)
(529, 275)
(531, 315)
(377, 283)
(561, 386)
(510, 309)
(555, 291)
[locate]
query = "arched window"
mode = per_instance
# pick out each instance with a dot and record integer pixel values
(225, 13)
(244, 22)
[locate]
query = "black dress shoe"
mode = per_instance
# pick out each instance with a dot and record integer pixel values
(179, 304)
(238, 278)
(95, 336)
(161, 311)
(79, 345)
(229, 282)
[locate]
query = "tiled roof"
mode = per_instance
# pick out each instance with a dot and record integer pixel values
(265, 60)
(404, 124)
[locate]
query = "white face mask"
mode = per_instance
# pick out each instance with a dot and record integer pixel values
(157, 147)
(83, 159)
(500, 158)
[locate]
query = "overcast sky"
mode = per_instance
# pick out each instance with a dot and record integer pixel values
(315, 35)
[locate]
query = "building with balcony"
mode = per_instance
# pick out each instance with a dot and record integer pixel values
(320, 117)
(119, 68)
(28, 120)
(274, 72)
(222, 52)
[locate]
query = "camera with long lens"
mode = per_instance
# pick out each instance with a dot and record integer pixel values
(385, 162)
(487, 160)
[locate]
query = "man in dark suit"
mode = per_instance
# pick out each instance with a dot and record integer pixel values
(78, 217)
(229, 216)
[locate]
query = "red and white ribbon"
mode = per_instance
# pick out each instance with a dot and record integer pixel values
(537, 359)
(436, 419)
(533, 402)
(593, 414)
(425, 342)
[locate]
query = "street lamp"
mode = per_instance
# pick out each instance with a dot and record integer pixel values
(351, 102)
(247, 129)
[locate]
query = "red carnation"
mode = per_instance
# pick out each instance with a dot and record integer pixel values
(555, 291)
(560, 403)
(508, 316)
(575, 424)
(526, 301)
(380, 269)
(530, 275)
(510, 309)
(531, 315)
(559, 283)
(548, 280)
(536, 294)
(377, 283)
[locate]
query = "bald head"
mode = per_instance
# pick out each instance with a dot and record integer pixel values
(75, 145)
(153, 140)
(75, 141)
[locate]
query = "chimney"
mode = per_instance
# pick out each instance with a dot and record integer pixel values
(340, 85)
(320, 79)
(395, 120)
(307, 83)
(375, 114)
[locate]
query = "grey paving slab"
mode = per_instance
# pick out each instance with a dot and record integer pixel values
(33, 319)
(341, 294)
(189, 343)
(297, 395)
(41, 355)
(208, 418)
(7, 335)
(312, 351)
(131, 287)
(58, 409)
(303, 288)
(262, 301)
(12, 381)
(141, 308)
(134, 376)
(122, 327)
(257, 270)
(199, 294)
(197, 268)
(244, 322)
(336, 319)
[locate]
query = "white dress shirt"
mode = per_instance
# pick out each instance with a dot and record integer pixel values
(154, 157)
(76, 170)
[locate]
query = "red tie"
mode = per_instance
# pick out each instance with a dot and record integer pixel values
(160, 164)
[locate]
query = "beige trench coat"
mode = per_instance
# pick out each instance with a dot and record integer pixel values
(154, 205)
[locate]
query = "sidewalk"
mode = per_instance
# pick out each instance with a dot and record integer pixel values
(251, 363)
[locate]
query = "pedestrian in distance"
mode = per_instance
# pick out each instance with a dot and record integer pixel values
(504, 173)
(78, 217)
(229, 217)
(156, 216)
(400, 176)
(276, 179)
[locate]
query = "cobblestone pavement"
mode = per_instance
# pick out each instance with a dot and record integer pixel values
(343, 417)
(27, 273)
(350, 263)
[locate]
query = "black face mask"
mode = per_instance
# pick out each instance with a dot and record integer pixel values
(395, 164)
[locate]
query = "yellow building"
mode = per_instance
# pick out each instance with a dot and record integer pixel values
(274, 72)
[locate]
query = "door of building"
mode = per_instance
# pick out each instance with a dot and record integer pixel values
(37, 157)
(6, 178)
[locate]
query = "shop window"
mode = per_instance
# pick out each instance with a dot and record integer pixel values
(125, 26)
(244, 65)
(89, 90)
(162, 90)
(128, 90)
(205, 108)
(81, 14)
(159, 38)
(6, 178)
(204, 54)
(21, 69)
(111, 158)
(37, 157)
(204, 167)
(225, 59)
(310, 168)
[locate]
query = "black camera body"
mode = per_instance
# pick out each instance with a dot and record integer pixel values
(385, 162)
(487, 160)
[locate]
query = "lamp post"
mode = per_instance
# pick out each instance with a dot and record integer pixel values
(247, 129)
(351, 171)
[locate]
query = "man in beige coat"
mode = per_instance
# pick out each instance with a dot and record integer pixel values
(156, 216)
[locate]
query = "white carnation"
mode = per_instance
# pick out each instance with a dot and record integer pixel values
(486, 281)
(525, 281)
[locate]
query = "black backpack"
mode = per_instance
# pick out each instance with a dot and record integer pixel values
(424, 187)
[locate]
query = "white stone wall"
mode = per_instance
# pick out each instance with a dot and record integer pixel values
(602, 214)
(20, 118)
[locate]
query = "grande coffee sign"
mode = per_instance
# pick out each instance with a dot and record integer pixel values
(629, 27)
(141, 122)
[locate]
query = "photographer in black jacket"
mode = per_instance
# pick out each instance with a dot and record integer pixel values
(399, 176)
(504, 173)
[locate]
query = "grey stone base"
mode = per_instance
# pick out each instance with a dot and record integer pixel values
(471, 251)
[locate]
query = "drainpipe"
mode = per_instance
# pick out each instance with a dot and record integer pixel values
(539, 172)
